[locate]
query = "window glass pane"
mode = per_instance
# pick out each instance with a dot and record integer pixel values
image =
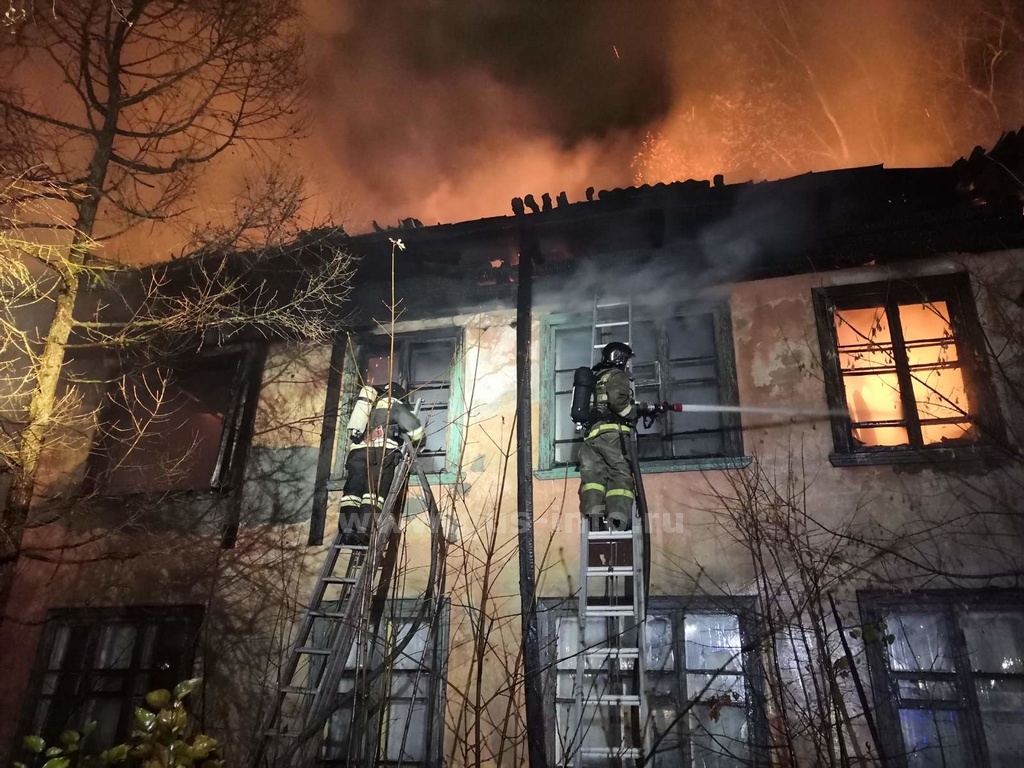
(114, 647)
(689, 421)
(430, 362)
(725, 686)
(563, 381)
(565, 428)
(568, 453)
(60, 646)
(645, 344)
(414, 652)
(694, 374)
(407, 732)
(661, 655)
(927, 322)
(713, 642)
(668, 728)
(691, 336)
(863, 331)
(932, 739)
(720, 736)
(699, 445)
(921, 643)
(1002, 713)
(995, 641)
(572, 348)
(875, 397)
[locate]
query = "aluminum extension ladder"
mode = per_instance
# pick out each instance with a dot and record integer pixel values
(338, 616)
(610, 717)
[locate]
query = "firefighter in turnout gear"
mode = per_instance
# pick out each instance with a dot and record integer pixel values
(375, 428)
(606, 481)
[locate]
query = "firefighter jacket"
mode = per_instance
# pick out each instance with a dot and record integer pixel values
(379, 421)
(613, 398)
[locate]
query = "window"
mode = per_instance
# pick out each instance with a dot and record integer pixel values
(948, 673)
(686, 358)
(427, 366)
(901, 359)
(98, 664)
(395, 717)
(175, 428)
(703, 689)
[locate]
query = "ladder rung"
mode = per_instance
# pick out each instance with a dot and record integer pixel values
(314, 651)
(281, 735)
(613, 700)
(609, 570)
(612, 324)
(353, 547)
(298, 689)
(327, 614)
(609, 535)
(339, 580)
(612, 752)
(609, 610)
(611, 305)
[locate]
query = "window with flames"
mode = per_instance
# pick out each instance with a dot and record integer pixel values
(901, 359)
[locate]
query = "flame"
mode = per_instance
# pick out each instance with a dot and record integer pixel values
(873, 392)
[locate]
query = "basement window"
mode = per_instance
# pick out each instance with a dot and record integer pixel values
(681, 358)
(948, 674)
(704, 691)
(395, 717)
(174, 427)
(902, 359)
(98, 664)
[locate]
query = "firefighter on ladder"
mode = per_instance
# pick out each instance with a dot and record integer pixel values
(603, 406)
(375, 428)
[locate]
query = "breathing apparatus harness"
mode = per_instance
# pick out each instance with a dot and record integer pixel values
(585, 410)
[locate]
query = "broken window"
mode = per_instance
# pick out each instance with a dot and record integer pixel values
(701, 691)
(902, 364)
(679, 359)
(427, 368)
(98, 664)
(391, 696)
(172, 428)
(949, 677)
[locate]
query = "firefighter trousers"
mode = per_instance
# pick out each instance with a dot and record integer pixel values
(606, 482)
(369, 472)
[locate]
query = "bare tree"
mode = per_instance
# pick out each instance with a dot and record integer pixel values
(149, 92)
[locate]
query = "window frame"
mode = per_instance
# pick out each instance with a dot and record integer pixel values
(95, 619)
(968, 337)
(874, 605)
(355, 358)
(229, 468)
(677, 608)
(727, 382)
(394, 611)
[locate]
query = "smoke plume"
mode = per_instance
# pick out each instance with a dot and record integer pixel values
(445, 111)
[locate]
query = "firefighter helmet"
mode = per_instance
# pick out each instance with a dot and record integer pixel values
(395, 390)
(617, 354)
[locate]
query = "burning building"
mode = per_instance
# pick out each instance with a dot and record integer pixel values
(835, 536)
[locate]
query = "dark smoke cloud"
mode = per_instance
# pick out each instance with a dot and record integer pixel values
(419, 104)
(444, 111)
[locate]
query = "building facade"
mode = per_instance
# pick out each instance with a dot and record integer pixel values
(835, 555)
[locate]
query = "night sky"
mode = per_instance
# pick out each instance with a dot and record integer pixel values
(444, 111)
